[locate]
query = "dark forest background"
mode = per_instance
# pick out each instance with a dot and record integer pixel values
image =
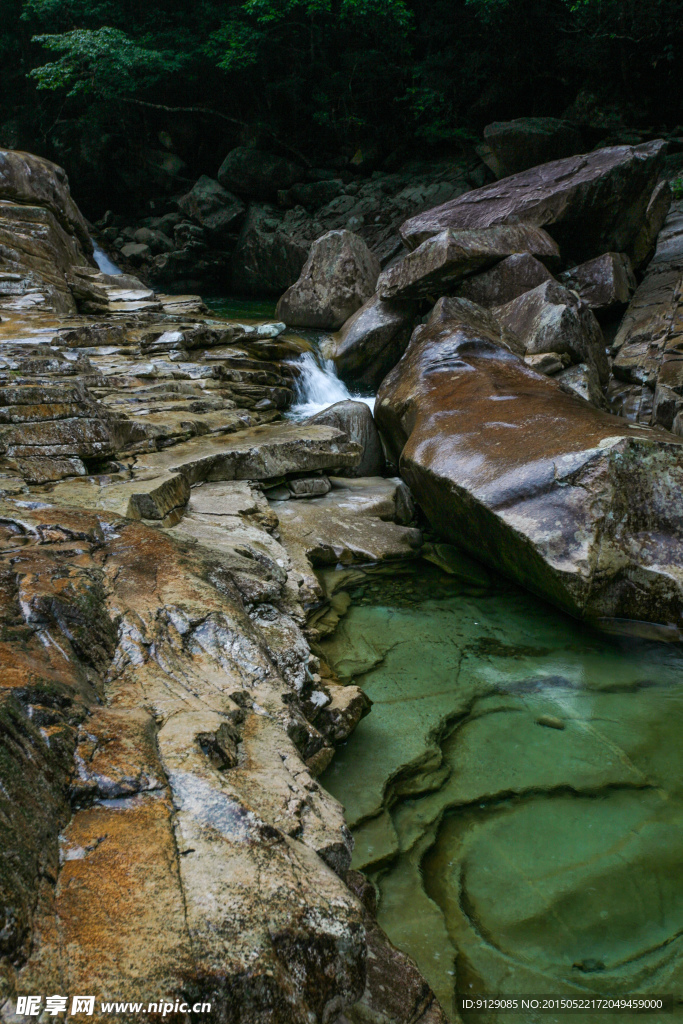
(131, 94)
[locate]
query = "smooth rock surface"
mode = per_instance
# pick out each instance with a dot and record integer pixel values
(568, 501)
(339, 275)
(591, 204)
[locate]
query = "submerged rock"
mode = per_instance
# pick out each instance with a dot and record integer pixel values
(337, 278)
(562, 498)
(591, 204)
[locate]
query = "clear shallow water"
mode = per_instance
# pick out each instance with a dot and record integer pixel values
(516, 792)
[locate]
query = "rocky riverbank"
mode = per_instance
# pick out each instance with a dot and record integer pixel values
(163, 714)
(167, 712)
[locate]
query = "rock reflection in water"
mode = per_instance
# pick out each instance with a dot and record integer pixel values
(516, 792)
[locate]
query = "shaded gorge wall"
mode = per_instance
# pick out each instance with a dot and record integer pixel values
(516, 792)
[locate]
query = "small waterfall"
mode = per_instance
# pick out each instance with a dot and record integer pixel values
(103, 261)
(317, 386)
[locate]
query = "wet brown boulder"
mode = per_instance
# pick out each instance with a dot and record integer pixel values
(516, 145)
(34, 181)
(604, 284)
(440, 261)
(550, 318)
(337, 278)
(372, 340)
(566, 500)
(591, 204)
(505, 281)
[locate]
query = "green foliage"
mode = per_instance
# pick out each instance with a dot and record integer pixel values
(101, 62)
(83, 78)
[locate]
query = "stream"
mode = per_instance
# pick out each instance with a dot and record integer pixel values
(516, 793)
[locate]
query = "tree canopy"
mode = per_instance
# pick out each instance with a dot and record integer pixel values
(85, 77)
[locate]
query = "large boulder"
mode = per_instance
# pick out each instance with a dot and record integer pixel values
(647, 345)
(38, 257)
(440, 261)
(568, 501)
(372, 340)
(251, 172)
(591, 204)
(213, 208)
(339, 275)
(605, 283)
(516, 145)
(505, 281)
(33, 181)
(266, 259)
(357, 422)
(551, 318)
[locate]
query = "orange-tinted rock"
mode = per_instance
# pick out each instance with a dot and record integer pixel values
(560, 497)
(591, 204)
(197, 853)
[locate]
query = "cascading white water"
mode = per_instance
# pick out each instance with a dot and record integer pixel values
(317, 386)
(103, 261)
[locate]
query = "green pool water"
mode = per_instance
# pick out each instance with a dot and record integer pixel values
(233, 308)
(516, 793)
